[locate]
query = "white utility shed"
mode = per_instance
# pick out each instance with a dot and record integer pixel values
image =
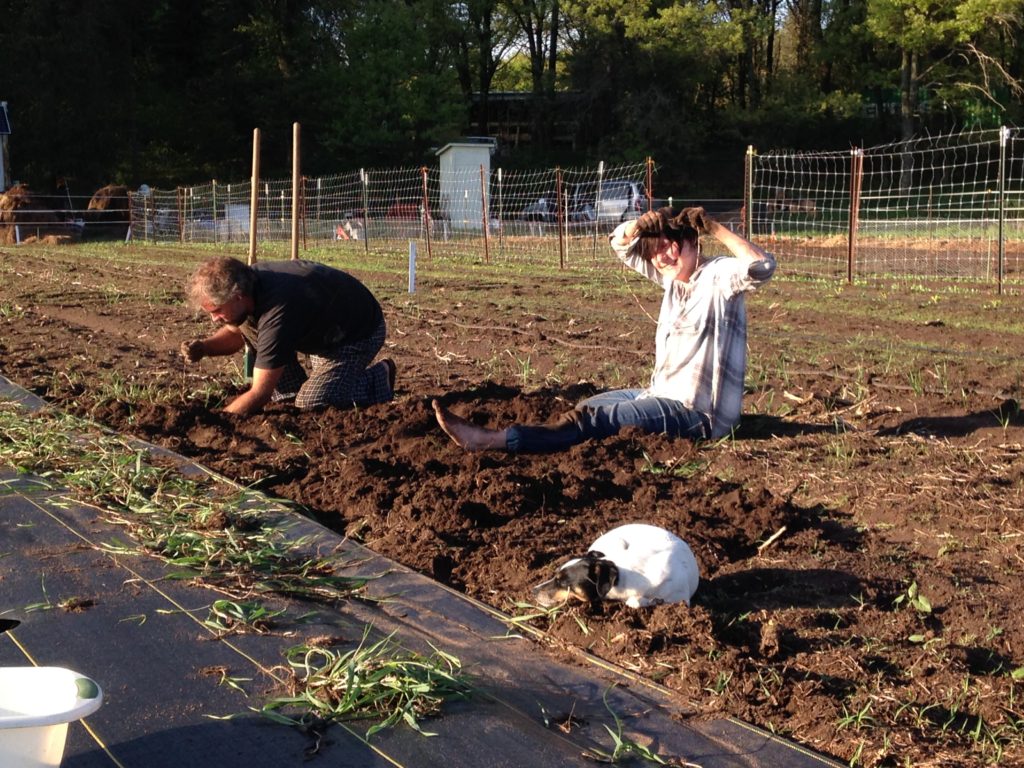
(462, 193)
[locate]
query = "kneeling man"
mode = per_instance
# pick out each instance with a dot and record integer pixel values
(281, 308)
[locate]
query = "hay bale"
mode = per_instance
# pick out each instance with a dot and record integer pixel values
(49, 240)
(20, 207)
(111, 198)
(107, 214)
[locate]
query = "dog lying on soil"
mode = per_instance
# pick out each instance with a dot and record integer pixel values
(639, 564)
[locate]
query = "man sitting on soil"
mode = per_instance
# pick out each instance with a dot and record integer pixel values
(280, 308)
(696, 390)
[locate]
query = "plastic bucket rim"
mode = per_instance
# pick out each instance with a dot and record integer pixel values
(82, 707)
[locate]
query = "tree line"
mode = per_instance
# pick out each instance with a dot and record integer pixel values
(167, 92)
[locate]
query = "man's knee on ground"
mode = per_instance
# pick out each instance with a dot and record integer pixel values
(306, 401)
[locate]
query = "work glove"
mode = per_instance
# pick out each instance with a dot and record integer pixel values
(695, 218)
(650, 223)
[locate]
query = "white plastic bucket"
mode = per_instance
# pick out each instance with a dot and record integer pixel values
(36, 705)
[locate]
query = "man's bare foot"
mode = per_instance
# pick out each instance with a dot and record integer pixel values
(466, 434)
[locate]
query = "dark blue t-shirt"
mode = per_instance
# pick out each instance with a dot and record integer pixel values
(303, 306)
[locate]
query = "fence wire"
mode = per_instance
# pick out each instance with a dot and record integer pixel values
(556, 216)
(946, 207)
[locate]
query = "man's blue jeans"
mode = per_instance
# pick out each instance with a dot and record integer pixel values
(604, 415)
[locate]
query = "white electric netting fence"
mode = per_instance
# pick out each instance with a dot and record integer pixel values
(944, 207)
(947, 207)
(558, 216)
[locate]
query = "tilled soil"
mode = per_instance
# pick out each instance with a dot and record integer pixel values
(879, 462)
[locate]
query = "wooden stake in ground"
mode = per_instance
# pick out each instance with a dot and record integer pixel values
(296, 181)
(254, 195)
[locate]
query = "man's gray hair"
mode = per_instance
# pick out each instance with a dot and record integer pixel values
(219, 280)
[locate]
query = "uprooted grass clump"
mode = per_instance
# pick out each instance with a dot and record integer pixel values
(220, 544)
(377, 681)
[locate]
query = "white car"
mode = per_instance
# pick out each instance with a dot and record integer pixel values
(620, 200)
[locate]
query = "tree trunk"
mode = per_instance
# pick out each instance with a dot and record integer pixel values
(908, 94)
(772, 10)
(908, 111)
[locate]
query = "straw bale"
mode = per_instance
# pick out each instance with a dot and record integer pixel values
(20, 207)
(112, 197)
(107, 214)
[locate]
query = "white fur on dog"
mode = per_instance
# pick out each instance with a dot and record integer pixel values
(655, 566)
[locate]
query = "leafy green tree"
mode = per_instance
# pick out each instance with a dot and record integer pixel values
(64, 67)
(651, 72)
(483, 34)
(957, 47)
(391, 102)
(539, 24)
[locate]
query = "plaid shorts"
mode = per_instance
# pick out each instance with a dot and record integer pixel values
(339, 376)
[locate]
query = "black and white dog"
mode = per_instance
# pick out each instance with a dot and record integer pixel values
(638, 564)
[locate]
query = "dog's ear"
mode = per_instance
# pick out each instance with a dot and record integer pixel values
(604, 574)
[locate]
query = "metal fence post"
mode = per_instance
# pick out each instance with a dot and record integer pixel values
(597, 208)
(145, 217)
(181, 214)
(650, 183)
(268, 208)
(303, 209)
(501, 216)
(213, 200)
(1004, 135)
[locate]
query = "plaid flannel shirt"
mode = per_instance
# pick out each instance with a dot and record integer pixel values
(701, 341)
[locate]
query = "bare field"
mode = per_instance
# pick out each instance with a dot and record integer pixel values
(859, 536)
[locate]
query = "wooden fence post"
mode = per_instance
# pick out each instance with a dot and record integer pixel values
(254, 194)
(856, 176)
(296, 182)
(483, 206)
(1004, 135)
(748, 193)
(427, 219)
(560, 222)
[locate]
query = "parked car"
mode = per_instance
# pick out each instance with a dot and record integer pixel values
(406, 211)
(620, 200)
(544, 209)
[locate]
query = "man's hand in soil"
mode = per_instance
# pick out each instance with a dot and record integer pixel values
(193, 351)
